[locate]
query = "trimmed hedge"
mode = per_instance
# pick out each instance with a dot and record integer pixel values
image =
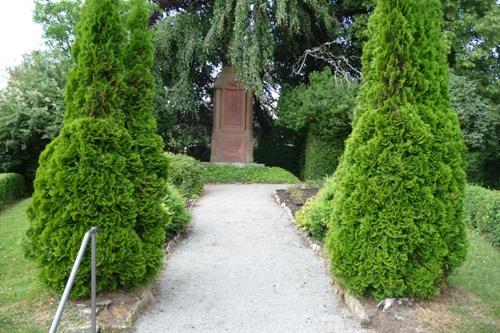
(178, 215)
(227, 174)
(186, 174)
(12, 186)
(482, 211)
(321, 156)
(314, 216)
(322, 109)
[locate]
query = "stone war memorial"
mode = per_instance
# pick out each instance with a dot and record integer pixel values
(232, 135)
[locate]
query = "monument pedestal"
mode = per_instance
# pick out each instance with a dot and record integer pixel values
(232, 134)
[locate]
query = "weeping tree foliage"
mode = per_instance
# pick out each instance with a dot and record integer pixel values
(243, 32)
(194, 39)
(396, 227)
(247, 27)
(95, 173)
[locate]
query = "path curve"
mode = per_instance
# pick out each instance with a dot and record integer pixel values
(243, 268)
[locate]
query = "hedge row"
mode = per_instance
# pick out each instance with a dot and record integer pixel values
(12, 186)
(178, 215)
(226, 174)
(186, 174)
(482, 212)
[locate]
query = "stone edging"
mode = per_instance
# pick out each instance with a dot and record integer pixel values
(353, 303)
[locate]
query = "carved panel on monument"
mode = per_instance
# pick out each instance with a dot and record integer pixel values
(233, 115)
(232, 148)
(232, 136)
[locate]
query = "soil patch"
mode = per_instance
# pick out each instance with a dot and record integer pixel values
(286, 197)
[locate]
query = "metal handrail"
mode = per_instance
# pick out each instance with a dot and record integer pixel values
(67, 290)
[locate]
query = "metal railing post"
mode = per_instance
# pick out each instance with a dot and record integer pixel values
(93, 285)
(67, 290)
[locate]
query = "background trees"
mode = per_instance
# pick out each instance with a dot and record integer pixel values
(193, 39)
(323, 110)
(31, 110)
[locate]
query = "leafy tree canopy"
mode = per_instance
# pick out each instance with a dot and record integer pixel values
(31, 110)
(58, 20)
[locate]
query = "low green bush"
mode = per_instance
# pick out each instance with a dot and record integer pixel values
(249, 174)
(482, 211)
(186, 175)
(315, 213)
(12, 186)
(175, 207)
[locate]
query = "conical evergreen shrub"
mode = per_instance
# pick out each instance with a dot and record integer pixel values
(89, 175)
(150, 179)
(396, 227)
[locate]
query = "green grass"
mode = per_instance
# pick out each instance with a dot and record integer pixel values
(232, 174)
(479, 277)
(25, 304)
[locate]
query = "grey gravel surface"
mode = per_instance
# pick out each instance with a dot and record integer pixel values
(243, 268)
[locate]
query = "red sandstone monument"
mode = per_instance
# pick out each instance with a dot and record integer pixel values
(232, 135)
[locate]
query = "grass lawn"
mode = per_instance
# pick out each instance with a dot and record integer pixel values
(226, 174)
(479, 277)
(25, 305)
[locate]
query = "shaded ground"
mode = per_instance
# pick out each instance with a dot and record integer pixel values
(244, 268)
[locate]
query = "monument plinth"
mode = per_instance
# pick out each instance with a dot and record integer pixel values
(232, 134)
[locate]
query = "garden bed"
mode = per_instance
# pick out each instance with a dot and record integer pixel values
(469, 302)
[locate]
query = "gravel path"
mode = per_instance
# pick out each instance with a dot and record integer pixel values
(243, 268)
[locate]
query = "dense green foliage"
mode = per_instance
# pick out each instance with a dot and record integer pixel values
(227, 174)
(396, 225)
(314, 216)
(178, 215)
(58, 19)
(187, 57)
(31, 110)
(280, 147)
(472, 32)
(12, 186)
(482, 211)
(94, 172)
(480, 122)
(322, 109)
(186, 174)
(150, 175)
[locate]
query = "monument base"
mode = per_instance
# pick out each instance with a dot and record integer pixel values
(236, 164)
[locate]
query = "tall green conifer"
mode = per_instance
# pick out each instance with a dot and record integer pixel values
(87, 174)
(396, 227)
(150, 179)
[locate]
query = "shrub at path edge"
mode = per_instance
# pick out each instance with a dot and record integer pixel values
(87, 175)
(396, 228)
